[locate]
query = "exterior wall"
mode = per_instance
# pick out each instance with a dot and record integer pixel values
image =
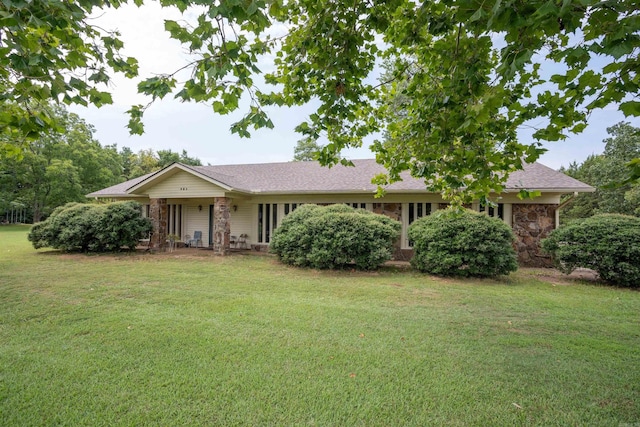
(221, 225)
(392, 210)
(243, 221)
(197, 220)
(531, 224)
(185, 185)
(158, 215)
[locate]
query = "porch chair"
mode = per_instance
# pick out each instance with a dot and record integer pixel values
(171, 239)
(197, 239)
(242, 241)
(146, 242)
(233, 242)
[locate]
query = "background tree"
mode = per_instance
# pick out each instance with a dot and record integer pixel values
(166, 157)
(306, 150)
(605, 172)
(470, 70)
(147, 160)
(58, 167)
(127, 158)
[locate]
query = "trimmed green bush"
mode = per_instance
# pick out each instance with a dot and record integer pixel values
(336, 236)
(607, 243)
(462, 243)
(95, 228)
(121, 225)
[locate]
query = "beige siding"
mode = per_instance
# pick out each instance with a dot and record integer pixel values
(185, 185)
(242, 221)
(245, 220)
(197, 220)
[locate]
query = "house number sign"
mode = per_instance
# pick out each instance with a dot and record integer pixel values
(183, 188)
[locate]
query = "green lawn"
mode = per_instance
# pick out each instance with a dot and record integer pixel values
(191, 339)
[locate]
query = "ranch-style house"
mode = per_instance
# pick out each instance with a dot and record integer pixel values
(232, 205)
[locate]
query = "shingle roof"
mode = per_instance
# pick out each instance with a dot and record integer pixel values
(310, 177)
(119, 189)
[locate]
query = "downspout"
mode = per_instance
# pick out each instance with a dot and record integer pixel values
(562, 205)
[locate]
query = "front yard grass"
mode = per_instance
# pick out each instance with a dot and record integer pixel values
(191, 339)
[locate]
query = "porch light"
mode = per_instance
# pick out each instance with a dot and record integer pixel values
(199, 207)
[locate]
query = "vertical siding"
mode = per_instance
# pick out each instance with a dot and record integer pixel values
(242, 222)
(196, 220)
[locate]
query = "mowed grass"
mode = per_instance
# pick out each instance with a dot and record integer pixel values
(192, 339)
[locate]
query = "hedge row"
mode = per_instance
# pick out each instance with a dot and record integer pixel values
(448, 242)
(92, 228)
(462, 243)
(335, 236)
(607, 243)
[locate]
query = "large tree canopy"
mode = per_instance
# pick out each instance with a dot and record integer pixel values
(469, 73)
(64, 164)
(608, 174)
(57, 167)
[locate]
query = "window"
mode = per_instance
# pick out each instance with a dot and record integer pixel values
(174, 219)
(267, 221)
(492, 211)
(357, 205)
(290, 207)
(416, 211)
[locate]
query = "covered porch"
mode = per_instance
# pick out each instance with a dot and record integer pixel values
(183, 219)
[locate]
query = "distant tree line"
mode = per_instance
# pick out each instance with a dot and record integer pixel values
(607, 172)
(65, 164)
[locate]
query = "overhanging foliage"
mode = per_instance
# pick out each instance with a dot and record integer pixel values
(470, 71)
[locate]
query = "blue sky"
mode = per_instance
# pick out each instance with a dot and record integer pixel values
(193, 127)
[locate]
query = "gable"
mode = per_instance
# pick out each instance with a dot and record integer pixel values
(181, 184)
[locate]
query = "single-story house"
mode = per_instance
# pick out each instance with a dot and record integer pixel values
(224, 202)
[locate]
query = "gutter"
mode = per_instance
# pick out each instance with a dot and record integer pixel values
(566, 202)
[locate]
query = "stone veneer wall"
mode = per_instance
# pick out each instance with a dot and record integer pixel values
(159, 216)
(531, 224)
(221, 226)
(392, 210)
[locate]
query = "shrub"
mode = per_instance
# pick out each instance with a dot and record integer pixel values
(467, 243)
(607, 243)
(334, 237)
(122, 225)
(98, 228)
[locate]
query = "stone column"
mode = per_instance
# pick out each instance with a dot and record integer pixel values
(221, 225)
(531, 224)
(158, 214)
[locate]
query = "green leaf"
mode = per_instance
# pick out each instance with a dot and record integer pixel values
(480, 13)
(219, 107)
(630, 108)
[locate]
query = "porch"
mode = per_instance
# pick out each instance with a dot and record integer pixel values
(182, 220)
